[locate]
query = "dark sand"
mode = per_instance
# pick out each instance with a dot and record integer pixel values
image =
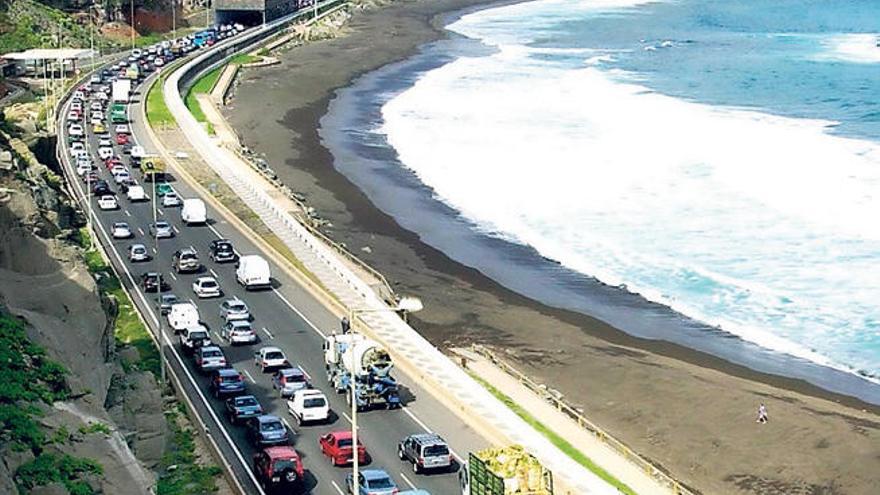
(690, 412)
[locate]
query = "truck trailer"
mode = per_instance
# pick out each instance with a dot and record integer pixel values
(353, 355)
(504, 471)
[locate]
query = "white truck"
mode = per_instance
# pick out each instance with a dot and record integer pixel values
(194, 212)
(353, 355)
(252, 272)
(194, 337)
(121, 90)
(308, 405)
(183, 315)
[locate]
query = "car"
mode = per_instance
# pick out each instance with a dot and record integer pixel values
(171, 200)
(122, 177)
(107, 202)
(121, 129)
(308, 406)
(75, 130)
(288, 380)
(238, 332)
(159, 62)
(166, 301)
(138, 252)
(234, 309)
(91, 177)
(268, 358)
(279, 469)
(126, 147)
(208, 358)
(153, 282)
(193, 337)
(136, 52)
(136, 193)
(83, 167)
(163, 189)
(100, 188)
(99, 129)
(426, 451)
(242, 407)
(372, 482)
(222, 251)
(337, 446)
(266, 430)
(73, 116)
(121, 139)
(96, 106)
(186, 260)
(121, 230)
(205, 287)
(226, 381)
(105, 143)
(161, 230)
(105, 153)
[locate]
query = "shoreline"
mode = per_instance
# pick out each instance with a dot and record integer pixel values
(414, 267)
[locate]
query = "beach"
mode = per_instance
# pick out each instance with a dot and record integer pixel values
(692, 413)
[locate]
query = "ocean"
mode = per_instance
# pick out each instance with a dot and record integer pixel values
(699, 171)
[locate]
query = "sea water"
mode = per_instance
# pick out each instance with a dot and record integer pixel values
(721, 158)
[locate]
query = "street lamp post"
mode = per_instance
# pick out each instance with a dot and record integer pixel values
(132, 24)
(405, 304)
(155, 200)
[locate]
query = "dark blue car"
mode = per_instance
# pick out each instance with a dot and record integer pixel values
(243, 407)
(266, 430)
(226, 381)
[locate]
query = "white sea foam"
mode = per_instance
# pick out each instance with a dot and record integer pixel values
(762, 225)
(854, 48)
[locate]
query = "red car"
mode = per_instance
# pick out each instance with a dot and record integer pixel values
(112, 162)
(337, 446)
(278, 466)
(121, 139)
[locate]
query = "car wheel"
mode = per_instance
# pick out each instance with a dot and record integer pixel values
(416, 468)
(400, 454)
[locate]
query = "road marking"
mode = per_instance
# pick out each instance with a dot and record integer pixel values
(428, 430)
(247, 374)
(160, 211)
(127, 213)
(214, 273)
(155, 251)
(284, 420)
(219, 338)
(171, 274)
(267, 333)
(141, 231)
(215, 232)
(175, 228)
(332, 482)
(408, 482)
(301, 315)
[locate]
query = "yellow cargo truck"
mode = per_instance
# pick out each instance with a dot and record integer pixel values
(504, 471)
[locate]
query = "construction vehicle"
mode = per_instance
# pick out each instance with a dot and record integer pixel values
(504, 471)
(353, 355)
(153, 168)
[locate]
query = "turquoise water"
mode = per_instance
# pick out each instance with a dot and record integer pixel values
(721, 158)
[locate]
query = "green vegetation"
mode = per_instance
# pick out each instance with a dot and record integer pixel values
(129, 330)
(202, 85)
(158, 114)
(188, 478)
(52, 468)
(561, 443)
(95, 428)
(243, 58)
(30, 24)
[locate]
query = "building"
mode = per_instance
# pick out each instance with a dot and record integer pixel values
(37, 62)
(250, 12)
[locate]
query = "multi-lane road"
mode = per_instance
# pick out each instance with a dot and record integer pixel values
(286, 316)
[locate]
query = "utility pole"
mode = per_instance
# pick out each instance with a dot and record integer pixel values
(173, 20)
(161, 335)
(131, 19)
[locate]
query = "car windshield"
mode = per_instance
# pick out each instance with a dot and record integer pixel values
(237, 307)
(245, 402)
(230, 378)
(211, 354)
(294, 377)
(209, 283)
(166, 299)
(380, 482)
(198, 335)
(274, 355)
(434, 450)
(316, 402)
(344, 443)
(162, 225)
(283, 465)
(140, 250)
(272, 426)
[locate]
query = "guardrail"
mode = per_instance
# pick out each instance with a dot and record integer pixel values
(561, 405)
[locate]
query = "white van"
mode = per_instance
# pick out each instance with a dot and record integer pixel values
(194, 212)
(136, 193)
(252, 272)
(183, 315)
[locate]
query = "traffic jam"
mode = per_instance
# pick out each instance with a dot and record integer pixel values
(219, 304)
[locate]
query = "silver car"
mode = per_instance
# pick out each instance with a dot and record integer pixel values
(238, 332)
(121, 230)
(209, 358)
(138, 252)
(161, 230)
(234, 310)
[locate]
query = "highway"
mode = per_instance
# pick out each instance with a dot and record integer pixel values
(286, 316)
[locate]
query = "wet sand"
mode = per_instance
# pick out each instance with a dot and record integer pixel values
(691, 412)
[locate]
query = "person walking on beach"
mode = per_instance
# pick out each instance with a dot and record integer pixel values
(762, 415)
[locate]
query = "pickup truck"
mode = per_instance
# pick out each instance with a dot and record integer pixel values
(193, 338)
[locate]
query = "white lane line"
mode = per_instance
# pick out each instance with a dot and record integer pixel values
(127, 213)
(247, 374)
(298, 312)
(428, 430)
(219, 338)
(408, 482)
(332, 482)
(141, 231)
(268, 333)
(172, 275)
(155, 251)
(160, 211)
(215, 231)
(175, 229)
(213, 273)
(284, 420)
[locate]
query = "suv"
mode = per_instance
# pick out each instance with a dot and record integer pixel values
(278, 467)
(194, 337)
(226, 381)
(186, 260)
(266, 430)
(425, 451)
(222, 251)
(154, 282)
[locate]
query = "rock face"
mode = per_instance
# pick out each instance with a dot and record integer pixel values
(44, 281)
